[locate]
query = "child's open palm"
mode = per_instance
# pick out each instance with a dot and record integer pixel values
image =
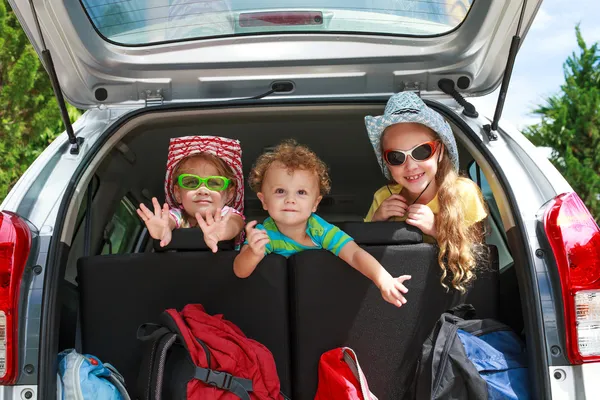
(213, 227)
(393, 288)
(157, 222)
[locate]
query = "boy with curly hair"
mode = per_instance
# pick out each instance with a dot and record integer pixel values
(290, 182)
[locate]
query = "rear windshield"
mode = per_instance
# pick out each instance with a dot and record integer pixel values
(139, 22)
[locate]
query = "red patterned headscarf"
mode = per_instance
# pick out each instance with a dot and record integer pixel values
(226, 149)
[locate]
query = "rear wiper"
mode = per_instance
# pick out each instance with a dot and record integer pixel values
(491, 130)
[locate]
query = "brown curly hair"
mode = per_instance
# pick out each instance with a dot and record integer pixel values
(294, 157)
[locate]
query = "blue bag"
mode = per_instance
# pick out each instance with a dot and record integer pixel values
(85, 377)
(466, 358)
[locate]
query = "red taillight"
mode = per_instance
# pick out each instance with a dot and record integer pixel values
(15, 243)
(279, 18)
(575, 240)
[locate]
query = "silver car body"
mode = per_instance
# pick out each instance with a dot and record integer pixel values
(323, 67)
(534, 181)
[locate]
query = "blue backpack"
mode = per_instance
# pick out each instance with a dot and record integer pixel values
(466, 358)
(86, 377)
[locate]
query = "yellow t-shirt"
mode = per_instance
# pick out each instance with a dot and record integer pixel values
(473, 207)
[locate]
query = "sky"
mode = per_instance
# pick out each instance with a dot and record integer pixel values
(538, 70)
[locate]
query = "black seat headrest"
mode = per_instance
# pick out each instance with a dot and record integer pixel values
(382, 233)
(190, 239)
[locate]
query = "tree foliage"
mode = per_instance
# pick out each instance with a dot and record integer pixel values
(570, 124)
(29, 114)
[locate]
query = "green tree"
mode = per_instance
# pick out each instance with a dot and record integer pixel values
(570, 124)
(29, 114)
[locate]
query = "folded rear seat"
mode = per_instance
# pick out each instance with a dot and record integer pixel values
(120, 292)
(334, 305)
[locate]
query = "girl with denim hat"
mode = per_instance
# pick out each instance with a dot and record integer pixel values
(417, 152)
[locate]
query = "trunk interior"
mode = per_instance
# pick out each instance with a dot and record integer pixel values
(131, 170)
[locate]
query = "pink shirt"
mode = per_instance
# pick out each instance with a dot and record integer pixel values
(181, 222)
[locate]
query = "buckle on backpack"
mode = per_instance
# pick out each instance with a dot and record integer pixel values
(222, 380)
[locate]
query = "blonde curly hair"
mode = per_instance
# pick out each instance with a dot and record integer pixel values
(294, 157)
(460, 244)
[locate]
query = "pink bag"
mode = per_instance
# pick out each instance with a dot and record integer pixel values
(340, 377)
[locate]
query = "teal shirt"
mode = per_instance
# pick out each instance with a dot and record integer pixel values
(323, 234)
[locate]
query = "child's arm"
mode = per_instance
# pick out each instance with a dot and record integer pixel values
(245, 263)
(235, 226)
(252, 253)
(160, 224)
(220, 227)
(391, 288)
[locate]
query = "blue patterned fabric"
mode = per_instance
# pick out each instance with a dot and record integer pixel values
(408, 107)
(86, 377)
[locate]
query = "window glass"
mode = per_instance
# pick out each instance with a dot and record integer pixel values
(83, 207)
(476, 175)
(497, 234)
(137, 22)
(123, 230)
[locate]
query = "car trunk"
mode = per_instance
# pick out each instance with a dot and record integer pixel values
(130, 163)
(104, 54)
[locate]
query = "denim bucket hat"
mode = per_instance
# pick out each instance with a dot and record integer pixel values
(408, 107)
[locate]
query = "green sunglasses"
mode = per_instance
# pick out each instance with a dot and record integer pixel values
(193, 182)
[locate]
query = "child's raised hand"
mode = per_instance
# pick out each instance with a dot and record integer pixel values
(422, 217)
(393, 206)
(257, 238)
(392, 289)
(157, 222)
(213, 227)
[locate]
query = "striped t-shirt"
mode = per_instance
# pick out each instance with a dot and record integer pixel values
(323, 234)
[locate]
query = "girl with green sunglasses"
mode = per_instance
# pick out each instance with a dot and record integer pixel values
(203, 188)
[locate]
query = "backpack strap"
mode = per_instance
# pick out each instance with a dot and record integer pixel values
(156, 342)
(238, 386)
(117, 379)
(463, 311)
(220, 379)
(351, 359)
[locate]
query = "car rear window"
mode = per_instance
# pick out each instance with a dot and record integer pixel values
(139, 22)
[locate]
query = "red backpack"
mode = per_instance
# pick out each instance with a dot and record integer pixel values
(196, 356)
(340, 377)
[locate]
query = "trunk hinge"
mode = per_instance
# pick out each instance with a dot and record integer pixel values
(447, 86)
(491, 130)
(47, 60)
(410, 87)
(154, 98)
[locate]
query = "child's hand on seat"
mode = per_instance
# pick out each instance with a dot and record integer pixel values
(257, 238)
(157, 222)
(422, 217)
(392, 289)
(393, 206)
(213, 227)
